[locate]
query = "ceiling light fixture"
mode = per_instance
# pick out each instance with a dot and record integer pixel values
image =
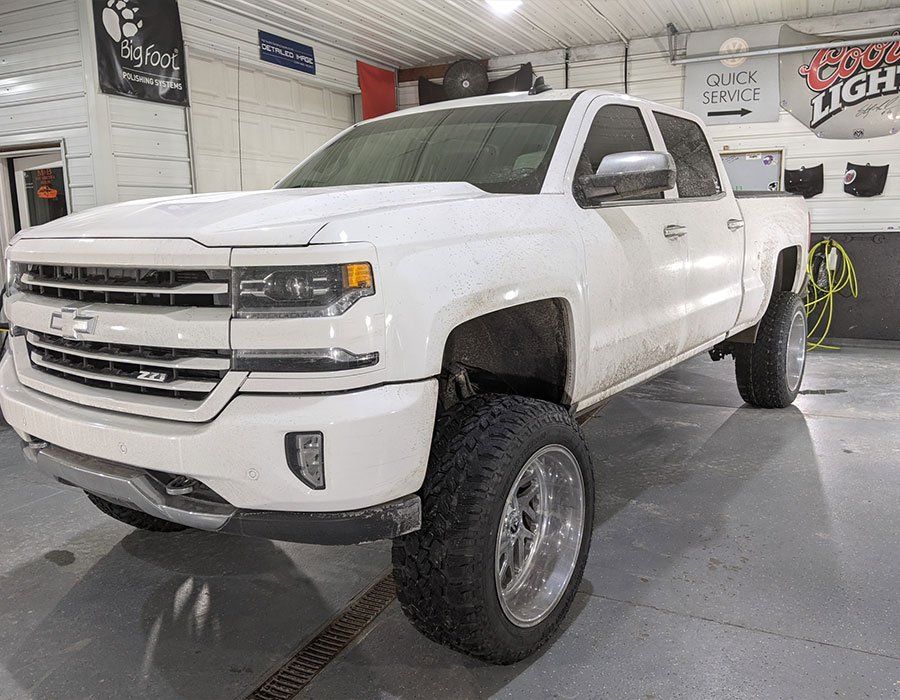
(503, 7)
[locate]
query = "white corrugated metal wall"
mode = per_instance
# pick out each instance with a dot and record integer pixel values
(42, 85)
(652, 76)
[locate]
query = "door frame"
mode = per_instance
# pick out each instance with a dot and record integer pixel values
(11, 148)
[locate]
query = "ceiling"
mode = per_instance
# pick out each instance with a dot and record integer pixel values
(409, 33)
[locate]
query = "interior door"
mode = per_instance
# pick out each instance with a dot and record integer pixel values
(714, 231)
(40, 189)
(635, 262)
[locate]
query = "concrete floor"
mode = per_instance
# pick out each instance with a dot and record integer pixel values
(737, 553)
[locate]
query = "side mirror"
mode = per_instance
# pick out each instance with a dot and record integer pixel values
(630, 174)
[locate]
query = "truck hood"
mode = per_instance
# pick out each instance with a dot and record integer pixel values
(264, 218)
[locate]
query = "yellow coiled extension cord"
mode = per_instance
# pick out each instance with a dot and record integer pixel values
(839, 275)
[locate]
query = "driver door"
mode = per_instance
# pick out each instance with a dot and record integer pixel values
(635, 260)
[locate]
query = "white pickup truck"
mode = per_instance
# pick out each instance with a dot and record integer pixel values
(401, 339)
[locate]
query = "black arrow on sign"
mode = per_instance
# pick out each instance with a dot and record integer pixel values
(742, 112)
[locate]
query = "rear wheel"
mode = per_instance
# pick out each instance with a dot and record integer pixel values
(508, 508)
(769, 371)
(135, 518)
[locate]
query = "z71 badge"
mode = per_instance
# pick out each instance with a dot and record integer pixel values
(160, 377)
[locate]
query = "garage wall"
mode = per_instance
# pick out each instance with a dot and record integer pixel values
(651, 75)
(121, 149)
(42, 87)
(150, 151)
(284, 115)
(161, 150)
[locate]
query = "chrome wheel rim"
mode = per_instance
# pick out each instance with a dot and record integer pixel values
(796, 350)
(539, 535)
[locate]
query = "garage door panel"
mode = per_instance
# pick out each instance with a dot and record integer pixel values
(282, 120)
(286, 137)
(312, 100)
(214, 130)
(206, 78)
(315, 137)
(217, 174)
(254, 140)
(342, 107)
(263, 173)
(279, 94)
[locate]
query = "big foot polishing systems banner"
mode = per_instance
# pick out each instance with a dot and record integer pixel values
(140, 51)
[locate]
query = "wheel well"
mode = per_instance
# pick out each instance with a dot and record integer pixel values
(785, 276)
(522, 350)
(786, 270)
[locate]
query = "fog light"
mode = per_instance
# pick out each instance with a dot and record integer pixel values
(306, 457)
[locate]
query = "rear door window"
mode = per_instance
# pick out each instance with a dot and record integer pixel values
(696, 168)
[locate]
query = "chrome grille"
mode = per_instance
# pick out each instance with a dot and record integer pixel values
(126, 285)
(186, 374)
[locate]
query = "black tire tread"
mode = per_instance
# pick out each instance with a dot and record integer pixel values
(135, 518)
(436, 568)
(760, 367)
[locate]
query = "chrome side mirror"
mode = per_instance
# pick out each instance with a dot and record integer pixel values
(630, 174)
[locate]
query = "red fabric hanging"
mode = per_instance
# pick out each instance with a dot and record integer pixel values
(379, 90)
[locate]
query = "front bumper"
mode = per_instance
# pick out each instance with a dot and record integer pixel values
(376, 442)
(142, 491)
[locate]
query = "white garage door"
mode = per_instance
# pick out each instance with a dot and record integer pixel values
(282, 120)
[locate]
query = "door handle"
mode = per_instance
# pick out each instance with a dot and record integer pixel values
(735, 224)
(674, 231)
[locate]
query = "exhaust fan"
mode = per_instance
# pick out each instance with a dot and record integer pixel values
(467, 78)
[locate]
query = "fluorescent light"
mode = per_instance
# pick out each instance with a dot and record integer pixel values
(503, 7)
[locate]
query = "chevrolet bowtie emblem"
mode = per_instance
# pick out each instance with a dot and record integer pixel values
(71, 323)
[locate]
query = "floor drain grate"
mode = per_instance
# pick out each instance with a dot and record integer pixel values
(330, 641)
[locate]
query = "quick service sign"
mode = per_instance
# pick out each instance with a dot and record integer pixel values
(736, 90)
(287, 53)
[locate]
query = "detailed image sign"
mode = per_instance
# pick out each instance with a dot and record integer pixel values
(140, 50)
(850, 92)
(732, 90)
(287, 53)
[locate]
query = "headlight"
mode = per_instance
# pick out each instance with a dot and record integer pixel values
(307, 291)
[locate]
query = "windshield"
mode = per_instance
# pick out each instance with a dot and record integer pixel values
(499, 148)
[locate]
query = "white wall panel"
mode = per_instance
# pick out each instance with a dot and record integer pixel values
(143, 135)
(42, 89)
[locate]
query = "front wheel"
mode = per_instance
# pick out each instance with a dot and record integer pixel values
(508, 508)
(769, 371)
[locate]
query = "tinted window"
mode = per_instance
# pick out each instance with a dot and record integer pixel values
(499, 148)
(696, 168)
(616, 128)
